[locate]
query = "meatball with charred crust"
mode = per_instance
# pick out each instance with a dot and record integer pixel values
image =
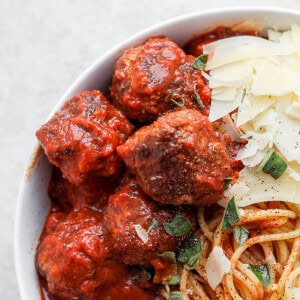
(94, 192)
(138, 225)
(150, 79)
(178, 159)
(74, 256)
(81, 138)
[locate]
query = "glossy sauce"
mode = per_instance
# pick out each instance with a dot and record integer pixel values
(89, 248)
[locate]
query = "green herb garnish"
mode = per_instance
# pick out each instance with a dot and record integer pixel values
(262, 272)
(170, 256)
(240, 234)
(190, 250)
(200, 62)
(198, 98)
(181, 103)
(178, 226)
(173, 281)
(231, 215)
(153, 225)
(175, 296)
(272, 164)
(227, 182)
(144, 274)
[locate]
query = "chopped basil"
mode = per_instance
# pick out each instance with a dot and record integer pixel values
(227, 182)
(190, 250)
(170, 255)
(153, 225)
(262, 272)
(181, 103)
(175, 296)
(240, 234)
(231, 215)
(272, 164)
(144, 274)
(198, 98)
(200, 62)
(173, 281)
(178, 226)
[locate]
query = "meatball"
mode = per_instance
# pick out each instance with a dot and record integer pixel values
(82, 137)
(94, 192)
(178, 159)
(136, 224)
(151, 78)
(74, 256)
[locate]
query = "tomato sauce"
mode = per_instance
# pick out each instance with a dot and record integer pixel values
(118, 189)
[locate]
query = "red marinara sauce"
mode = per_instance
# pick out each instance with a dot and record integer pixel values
(87, 252)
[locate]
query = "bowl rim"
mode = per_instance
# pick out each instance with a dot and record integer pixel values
(69, 92)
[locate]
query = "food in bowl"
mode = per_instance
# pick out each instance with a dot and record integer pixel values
(249, 249)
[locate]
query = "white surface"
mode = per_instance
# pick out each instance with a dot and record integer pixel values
(44, 46)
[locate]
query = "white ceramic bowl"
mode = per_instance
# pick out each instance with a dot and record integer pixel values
(33, 202)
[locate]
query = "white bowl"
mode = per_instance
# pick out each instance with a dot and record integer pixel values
(33, 201)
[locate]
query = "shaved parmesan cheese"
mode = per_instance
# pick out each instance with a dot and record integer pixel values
(273, 80)
(237, 48)
(224, 93)
(238, 190)
(249, 150)
(216, 266)
(251, 107)
(264, 119)
(230, 128)
(296, 37)
(235, 71)
(141, 233)
(261, 79)
(219, 109)
(287, 137)
(293, 110)
(215, 82)
(262, 188)
(254, 160)
(296, 293)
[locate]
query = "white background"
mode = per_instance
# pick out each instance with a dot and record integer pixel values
(44, 46)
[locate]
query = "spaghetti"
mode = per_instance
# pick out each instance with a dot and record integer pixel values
(276, 243)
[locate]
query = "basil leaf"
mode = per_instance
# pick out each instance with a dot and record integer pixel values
(170, 255)
(181, 103)
(143, 274)
(190, 250)
(178, 226)
(227, 182)
(173, 281)
(262, 272)
(175, 296)
(231, 215)
(272, 164)
(153, 225)
(198, 98)
(200, 62)
(240, 234)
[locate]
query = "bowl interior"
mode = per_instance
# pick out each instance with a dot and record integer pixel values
(33, 201)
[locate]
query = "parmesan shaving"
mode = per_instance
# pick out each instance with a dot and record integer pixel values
(141, 233)
(260, 79)
(262, 188)
(237, 48)
(216, 266)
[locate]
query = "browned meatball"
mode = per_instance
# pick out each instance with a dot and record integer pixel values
(150, 77)
(129, 212)
(94, 192)
(74, 256)
(82, 137)
(178, 159)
